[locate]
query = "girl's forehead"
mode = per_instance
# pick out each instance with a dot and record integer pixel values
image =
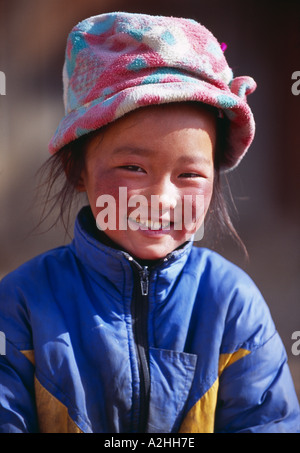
(184, 134)
(157, 121)
(181, 111)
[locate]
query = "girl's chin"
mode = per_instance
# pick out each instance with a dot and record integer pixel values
(158, 249)
(149, 256)
(148, 244)
(149, 252)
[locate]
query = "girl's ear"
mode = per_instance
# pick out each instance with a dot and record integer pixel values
(78, 183)
(80, 187)
(74, 171)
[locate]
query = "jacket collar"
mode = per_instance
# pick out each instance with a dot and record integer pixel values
(95, 250)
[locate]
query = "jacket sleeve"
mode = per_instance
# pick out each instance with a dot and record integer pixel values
(261, 387)
(256, 392)
(17, 402)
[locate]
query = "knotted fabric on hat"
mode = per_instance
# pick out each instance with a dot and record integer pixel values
(118, 62)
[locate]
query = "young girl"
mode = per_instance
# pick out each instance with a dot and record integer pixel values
(131, 328)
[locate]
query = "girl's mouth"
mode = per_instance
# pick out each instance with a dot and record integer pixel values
(146, 224)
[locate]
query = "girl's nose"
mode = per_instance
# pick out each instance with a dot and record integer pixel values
(167, 201)
(164, 197)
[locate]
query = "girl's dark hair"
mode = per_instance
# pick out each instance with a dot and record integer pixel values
(61, 173)
(218, 217)
(59, 177)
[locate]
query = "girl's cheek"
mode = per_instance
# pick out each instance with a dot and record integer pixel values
(99, 191)
(104, 185)
(194, 207)
(109, 198)
(199, 199)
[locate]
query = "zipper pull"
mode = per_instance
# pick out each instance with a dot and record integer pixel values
(144, 279)
(144, 275)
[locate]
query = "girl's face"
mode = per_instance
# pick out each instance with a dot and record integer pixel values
(149, 177)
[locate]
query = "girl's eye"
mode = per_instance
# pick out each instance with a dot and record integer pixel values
(133, 168)
(190, 175)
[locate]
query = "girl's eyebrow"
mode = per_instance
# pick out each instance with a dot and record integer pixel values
(120, 150)
(198, 158)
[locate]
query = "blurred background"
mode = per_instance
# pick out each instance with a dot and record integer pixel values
(263, 40)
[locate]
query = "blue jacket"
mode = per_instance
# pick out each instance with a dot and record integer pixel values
(97, 342)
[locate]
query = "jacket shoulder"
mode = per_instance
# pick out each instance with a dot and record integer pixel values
(38, 265)
(230, 294)
(31, 285)
(219, 271)
(31, 279)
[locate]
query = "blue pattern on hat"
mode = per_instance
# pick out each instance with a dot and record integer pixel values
(226, 102)
(169, 38)
(79, 44)
(137, 64)
(97, 27)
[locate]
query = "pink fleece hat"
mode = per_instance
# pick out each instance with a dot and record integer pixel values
(118, 62)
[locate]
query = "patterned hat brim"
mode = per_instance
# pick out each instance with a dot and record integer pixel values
(102, 111)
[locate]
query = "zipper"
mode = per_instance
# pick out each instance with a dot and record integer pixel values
(139, 311)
